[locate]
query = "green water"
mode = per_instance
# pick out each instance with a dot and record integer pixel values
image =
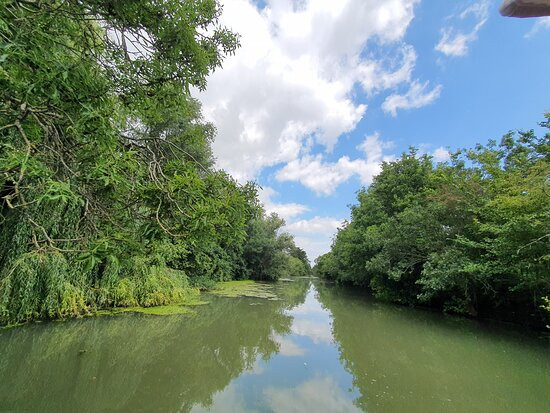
(318, 349)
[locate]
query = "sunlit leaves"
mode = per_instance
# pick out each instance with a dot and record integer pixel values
(471, 236)
(106, 169)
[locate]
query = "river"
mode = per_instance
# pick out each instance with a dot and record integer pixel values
(319, 348)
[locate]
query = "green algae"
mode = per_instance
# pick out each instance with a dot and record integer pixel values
(191, 298)
(245, 288)
(182, 307)
(231, 289)
(159, 310)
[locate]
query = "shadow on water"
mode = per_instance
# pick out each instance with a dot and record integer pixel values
(319, 348)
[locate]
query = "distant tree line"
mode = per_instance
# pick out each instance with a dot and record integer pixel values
(469, 236)
(108, 191)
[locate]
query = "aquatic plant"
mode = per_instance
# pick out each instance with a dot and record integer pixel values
(245, 288)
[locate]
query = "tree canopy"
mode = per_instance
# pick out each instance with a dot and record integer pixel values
(108, 190)
(471, 235)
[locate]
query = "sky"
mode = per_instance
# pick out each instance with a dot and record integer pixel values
(321, 92)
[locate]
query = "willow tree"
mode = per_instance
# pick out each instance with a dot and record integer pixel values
(107, 191)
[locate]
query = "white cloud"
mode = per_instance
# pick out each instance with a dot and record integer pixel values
(314, 246)
(542, 23)
(453, 45)
(418, 95)
(293, 78)
(375, 76)
(373, 147)
(455, 42)
(320, 176)
(314, 235)
(286, 211)
(317, 225)
(323, 177)
(441, 155)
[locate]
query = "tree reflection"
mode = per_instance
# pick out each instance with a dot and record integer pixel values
(141, 363)
(405, 359)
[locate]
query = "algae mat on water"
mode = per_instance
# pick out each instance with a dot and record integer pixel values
(245, 288)
(171, 309)
(232, 289)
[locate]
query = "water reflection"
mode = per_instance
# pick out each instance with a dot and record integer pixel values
(304, 375)
(311, 320)
(411, 360)
(318, 394)
(319, 349)
(140, 363)
(287, 347)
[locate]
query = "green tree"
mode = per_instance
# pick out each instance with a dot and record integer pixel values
(108, 193)
(265, 253)
(470, 236)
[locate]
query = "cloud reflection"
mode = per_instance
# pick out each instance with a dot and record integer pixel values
(312, 320)
(318, 332)
(320, 394)
(228, 400)
(287, 347)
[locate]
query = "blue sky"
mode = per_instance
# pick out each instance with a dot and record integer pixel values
(321, 92)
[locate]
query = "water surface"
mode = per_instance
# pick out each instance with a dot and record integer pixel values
(319, 348)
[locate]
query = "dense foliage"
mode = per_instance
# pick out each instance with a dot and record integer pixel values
(470, 236)
(269, 254)
(108, 194)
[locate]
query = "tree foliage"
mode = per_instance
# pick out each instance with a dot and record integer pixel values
(269, 254)
(108, 193)
(470, 236)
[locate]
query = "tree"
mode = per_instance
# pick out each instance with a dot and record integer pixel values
(108, 193)
(265, 253)
(470, 236)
